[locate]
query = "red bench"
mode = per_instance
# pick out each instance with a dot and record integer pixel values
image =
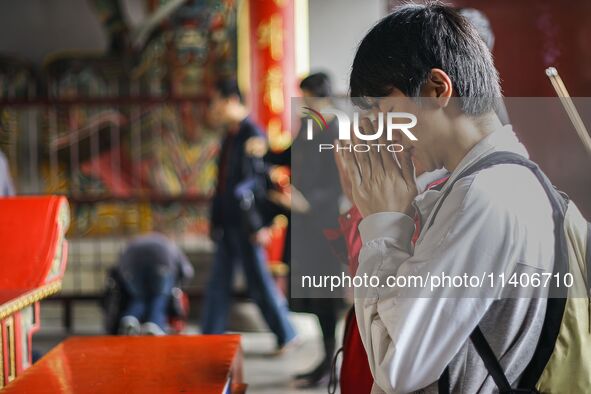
(170, 364)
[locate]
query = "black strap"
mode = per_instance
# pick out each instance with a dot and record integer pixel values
(333, 381)
(492, 366)
(556, 305)
(490, 360)
(443, 383)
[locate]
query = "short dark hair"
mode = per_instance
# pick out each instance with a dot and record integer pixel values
(400, 51)
(228, 88)
(318, 84)
(481, 23)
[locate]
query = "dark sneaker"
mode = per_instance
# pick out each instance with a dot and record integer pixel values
(318, 377)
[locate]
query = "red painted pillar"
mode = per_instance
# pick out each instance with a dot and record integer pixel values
(272, 65)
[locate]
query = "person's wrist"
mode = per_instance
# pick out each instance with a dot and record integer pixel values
(371, 210)
(396, 225)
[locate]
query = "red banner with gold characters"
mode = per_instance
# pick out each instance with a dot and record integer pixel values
(272, 66)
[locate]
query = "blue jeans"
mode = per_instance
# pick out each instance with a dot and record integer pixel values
(149, 294)
(236, 246)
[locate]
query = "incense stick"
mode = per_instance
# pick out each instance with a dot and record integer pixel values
(569, 107)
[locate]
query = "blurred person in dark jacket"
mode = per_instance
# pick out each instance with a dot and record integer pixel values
(240, 222)
(316, 186)
(149, 268)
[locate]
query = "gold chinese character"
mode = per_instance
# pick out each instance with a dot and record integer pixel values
(273, 90)
(270, 35)
(278, 138)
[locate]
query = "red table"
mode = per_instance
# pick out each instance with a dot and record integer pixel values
(169, 364)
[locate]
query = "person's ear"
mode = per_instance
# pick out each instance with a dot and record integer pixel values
(438, 86)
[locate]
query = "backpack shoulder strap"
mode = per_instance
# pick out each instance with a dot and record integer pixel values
(490, 360)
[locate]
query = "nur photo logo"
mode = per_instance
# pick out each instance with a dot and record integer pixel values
(385, 123)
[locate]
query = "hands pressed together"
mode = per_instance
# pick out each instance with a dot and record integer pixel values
(380, 181)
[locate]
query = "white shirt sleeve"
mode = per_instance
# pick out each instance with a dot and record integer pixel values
(409, 340)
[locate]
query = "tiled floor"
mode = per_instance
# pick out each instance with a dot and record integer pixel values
(264, 374)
